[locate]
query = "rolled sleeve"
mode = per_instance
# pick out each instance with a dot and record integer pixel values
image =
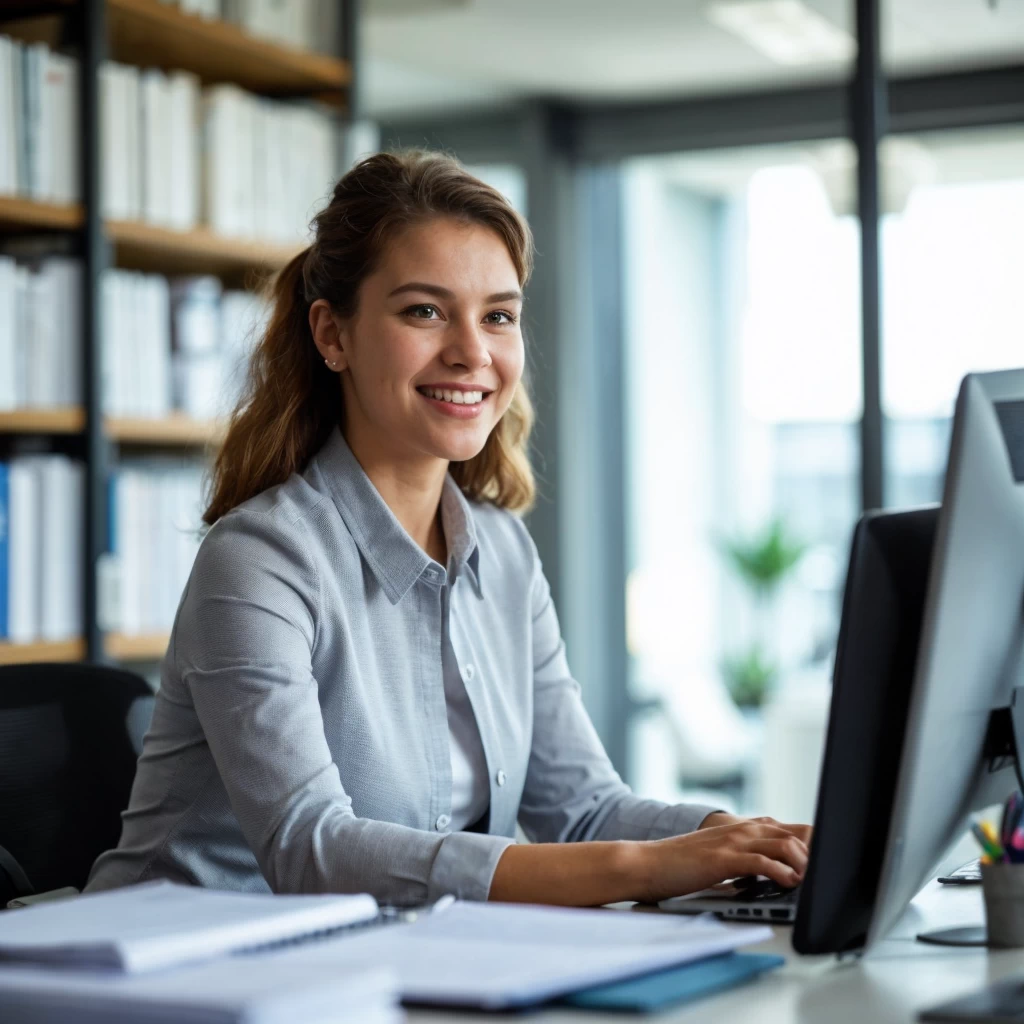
(465, 865)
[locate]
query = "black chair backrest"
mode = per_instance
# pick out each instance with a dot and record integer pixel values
(69, 739)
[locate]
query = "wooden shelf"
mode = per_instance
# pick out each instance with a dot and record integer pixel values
(18, 213)
(175, 429)
(59, 650)
(152, 34)
(143, 647)
(43, 421)
(140, 246)
(161, 250)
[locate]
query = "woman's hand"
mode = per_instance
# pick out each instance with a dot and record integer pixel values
(802, 832)
(717, 852)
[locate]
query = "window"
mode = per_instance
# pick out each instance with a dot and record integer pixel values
(744, 397)
(952, 266)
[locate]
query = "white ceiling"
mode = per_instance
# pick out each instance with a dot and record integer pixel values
(445, 54)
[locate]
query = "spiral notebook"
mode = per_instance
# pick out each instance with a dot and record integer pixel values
(159, 924)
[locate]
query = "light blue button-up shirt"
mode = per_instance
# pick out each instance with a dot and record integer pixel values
(300, 738)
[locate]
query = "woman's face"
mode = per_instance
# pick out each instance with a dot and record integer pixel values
(433, 355)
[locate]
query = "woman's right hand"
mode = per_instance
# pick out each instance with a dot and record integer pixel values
(688, 863)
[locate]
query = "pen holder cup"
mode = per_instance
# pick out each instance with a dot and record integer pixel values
(1003, 888)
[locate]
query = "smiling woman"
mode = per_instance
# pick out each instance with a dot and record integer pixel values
(366, 686)
(388, 218)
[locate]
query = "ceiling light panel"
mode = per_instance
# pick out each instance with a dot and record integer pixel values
(786, 31)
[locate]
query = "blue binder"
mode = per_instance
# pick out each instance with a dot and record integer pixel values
(676, 985)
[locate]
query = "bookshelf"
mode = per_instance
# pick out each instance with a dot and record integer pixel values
(144, 647)
(149, 33)
(141, 246)
(17, 214)
(160, 35)
(147, 247)
(176, 429)
(69, 420)
(55, 650)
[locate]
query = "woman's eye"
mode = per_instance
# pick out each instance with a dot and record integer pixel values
(499, 316)
(424, 312)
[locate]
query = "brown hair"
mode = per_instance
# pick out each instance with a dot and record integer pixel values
(292, 401)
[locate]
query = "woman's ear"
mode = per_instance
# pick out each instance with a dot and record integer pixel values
(329, 336)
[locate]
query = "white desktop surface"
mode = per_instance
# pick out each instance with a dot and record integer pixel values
(897, 980)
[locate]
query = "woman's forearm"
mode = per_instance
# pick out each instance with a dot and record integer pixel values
(569, 874)
(589, 874)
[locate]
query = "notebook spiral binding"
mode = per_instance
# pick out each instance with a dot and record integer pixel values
(386, 916)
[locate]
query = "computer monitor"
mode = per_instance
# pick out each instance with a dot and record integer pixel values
(971, 653)
(931, 644)
(883, 606)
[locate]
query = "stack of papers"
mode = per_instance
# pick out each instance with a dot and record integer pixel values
(503, 956)
(251, 989)
(161, 952)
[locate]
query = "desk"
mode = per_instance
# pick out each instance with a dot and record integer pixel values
(890, 986)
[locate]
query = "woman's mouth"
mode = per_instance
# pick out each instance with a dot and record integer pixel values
(456, 402)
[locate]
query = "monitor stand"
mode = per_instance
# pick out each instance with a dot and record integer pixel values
(1004, 745)
(969, 935)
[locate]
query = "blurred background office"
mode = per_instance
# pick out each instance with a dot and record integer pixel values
(772, 236)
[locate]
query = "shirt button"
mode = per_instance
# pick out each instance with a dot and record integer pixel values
(500, 777)
(443, 821)
(470, 672)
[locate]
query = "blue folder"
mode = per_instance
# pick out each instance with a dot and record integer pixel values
(676, 985)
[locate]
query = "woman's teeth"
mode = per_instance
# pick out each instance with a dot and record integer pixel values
(455, 397)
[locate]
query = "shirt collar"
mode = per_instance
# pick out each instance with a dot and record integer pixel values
(396, 560)
(460, 531)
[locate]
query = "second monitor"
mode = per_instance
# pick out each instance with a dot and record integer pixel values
(930, 658)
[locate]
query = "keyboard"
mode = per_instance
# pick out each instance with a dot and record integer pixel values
(966, 874)
(763, 890)
(741, 900)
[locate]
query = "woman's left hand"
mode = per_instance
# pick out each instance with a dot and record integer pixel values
(802, 832)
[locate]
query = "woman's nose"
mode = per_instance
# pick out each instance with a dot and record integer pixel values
(467, 347)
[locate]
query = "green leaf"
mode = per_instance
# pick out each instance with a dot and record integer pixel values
(764, 561)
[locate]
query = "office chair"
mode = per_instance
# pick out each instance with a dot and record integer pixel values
(69, 739)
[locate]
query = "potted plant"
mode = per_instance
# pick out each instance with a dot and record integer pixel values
(762, 562)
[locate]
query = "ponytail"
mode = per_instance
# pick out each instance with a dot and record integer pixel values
(284, 414)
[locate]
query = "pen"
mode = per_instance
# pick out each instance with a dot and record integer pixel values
(442, 903)
(990, 832)
(1011, 817)
(1015, 847)
(990, 848)
(998, 853)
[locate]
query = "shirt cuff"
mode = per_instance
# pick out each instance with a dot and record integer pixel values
(465, 864)
(678, 819)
